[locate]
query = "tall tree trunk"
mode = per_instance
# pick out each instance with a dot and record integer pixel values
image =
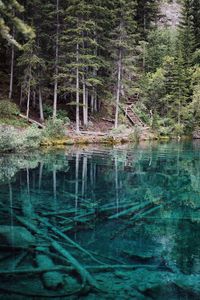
(118, 87)
(21, 96)
(92, 101)
(41, 106)
(55, 98)
(34, 99)
(94, 91)
(77, 89)
(29, 95)
(95, 101)
(85, 104)
(11, 71)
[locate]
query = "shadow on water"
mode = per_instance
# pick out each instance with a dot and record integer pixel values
(101, 223)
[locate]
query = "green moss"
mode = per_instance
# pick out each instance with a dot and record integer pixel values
(13, 121)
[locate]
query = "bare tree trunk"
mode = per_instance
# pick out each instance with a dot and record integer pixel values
(77, 89)
(94, 92)
(144, 56)
(55, 98)
(118, 88)
(21, 96)
(92, 101)
(28, 97)
(11, 71)
(85, 104)
(95, 101)
(34, 99)
(41, 106)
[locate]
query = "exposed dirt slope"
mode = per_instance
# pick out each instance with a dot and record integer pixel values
(170, 14)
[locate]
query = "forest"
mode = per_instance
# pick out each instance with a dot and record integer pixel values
(72, 63)
(112, 212)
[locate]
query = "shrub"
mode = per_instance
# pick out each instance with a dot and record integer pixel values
(61, 114)
(134, 136)
(8, 108)
(32, 137)
(178, 129)
(14, 140)
(54, 128)
(119, 129)
(9, 139)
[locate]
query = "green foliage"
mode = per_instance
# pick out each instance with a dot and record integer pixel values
(13, 139)
(54, 129)
(178, 130)
(119, 130)
(8, 19)
(8, 108)
(9, 139)
(161, 43)
(32, 137)
(134, 136)
(96, 43)
(61, 114)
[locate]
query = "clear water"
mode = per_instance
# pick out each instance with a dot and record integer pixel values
(102, 223)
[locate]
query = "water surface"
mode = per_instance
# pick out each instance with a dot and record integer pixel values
(101, 223)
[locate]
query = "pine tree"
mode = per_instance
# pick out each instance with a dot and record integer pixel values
(123, 42)
(79, 55)
(146, 14)
(31, 65)
(8, 18)
(186, 33)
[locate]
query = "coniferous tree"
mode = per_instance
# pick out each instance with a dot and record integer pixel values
(186, 35)
(31, 65)
(79, 56)
(8, 19)
(124, 48)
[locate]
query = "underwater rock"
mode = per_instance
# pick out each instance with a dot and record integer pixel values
(16, 237)
(190, 283)
(145, 280)
(143, 256)
(52, 280)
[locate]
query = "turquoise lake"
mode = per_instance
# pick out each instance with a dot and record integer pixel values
(101, 223)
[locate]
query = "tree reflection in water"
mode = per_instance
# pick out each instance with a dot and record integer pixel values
(102, 222)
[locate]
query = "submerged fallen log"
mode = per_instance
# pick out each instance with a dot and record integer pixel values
(38, 270)
(131, 210)
(66, 238)
(144, 214)
(84, 274)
